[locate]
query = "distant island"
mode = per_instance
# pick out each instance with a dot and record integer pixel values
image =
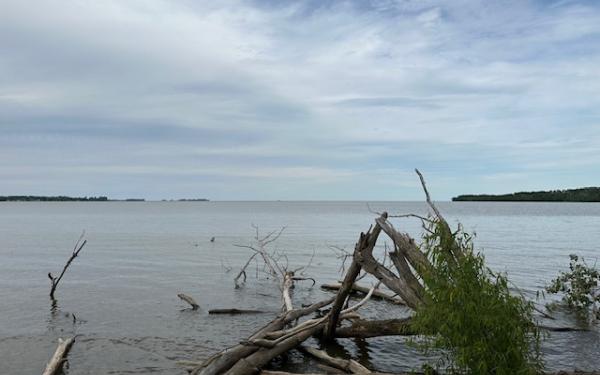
(63, 198)
(587, 194)
(59, 198)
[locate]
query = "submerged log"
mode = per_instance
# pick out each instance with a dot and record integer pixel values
(58, 358)
(188, 299)
(234, 311)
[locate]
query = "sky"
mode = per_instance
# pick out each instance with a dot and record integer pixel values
(286, 100)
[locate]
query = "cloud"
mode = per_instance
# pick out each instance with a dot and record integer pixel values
(296, 100)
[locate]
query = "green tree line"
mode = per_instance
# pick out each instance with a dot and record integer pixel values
(587, 194)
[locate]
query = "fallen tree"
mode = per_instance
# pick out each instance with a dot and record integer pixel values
(417, 275)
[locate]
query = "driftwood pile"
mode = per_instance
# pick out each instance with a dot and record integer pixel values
(287, 331)
(400, 271)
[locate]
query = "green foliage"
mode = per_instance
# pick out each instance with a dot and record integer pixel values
(470, 314)
(579, 286)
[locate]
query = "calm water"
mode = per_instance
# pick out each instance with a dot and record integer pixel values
(139, 255)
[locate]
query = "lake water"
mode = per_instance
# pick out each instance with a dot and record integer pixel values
(123, 286)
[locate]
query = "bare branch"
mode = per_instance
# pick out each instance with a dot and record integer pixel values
(76, 249)
(243, 271)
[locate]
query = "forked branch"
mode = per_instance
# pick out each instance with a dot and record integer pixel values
(55, 280)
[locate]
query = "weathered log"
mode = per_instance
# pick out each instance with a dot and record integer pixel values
(417, 259)
(406, 273)
(397, 284)
(58, 358)
(377, 294)
(374, 328)
(188, 299)
(348, 365)
(253, 363)
(55, 280)
(365, 242)
(224, 360)
(563, 329)
(234, 311)
(287, 284)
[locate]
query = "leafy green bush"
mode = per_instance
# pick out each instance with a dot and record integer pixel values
(470, 314)
(580, 286)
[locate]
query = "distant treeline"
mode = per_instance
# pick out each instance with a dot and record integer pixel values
(587, 194)
(60, 198)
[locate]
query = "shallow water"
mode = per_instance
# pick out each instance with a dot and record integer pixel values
(122, 288)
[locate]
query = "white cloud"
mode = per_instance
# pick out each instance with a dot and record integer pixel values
(298, 92)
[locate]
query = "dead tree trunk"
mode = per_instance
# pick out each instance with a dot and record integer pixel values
(366, 242)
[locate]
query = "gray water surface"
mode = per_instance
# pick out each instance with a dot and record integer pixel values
(122, 288)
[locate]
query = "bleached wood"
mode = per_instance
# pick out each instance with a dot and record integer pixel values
(58, 358)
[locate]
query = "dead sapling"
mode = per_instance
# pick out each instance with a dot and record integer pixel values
(55, 280)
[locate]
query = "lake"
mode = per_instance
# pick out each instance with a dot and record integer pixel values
(123, 287)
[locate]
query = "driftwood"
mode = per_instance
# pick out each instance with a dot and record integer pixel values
(55, 280)
(287, 284)
(403, 276)
(348, 365)
(243, 272)
(234, 311)
(58, 358)
(366, 242)
(188, 299)
(253, 363)
(377, 294)
(222, 361)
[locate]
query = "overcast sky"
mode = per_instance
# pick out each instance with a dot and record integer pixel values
(236, 100)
